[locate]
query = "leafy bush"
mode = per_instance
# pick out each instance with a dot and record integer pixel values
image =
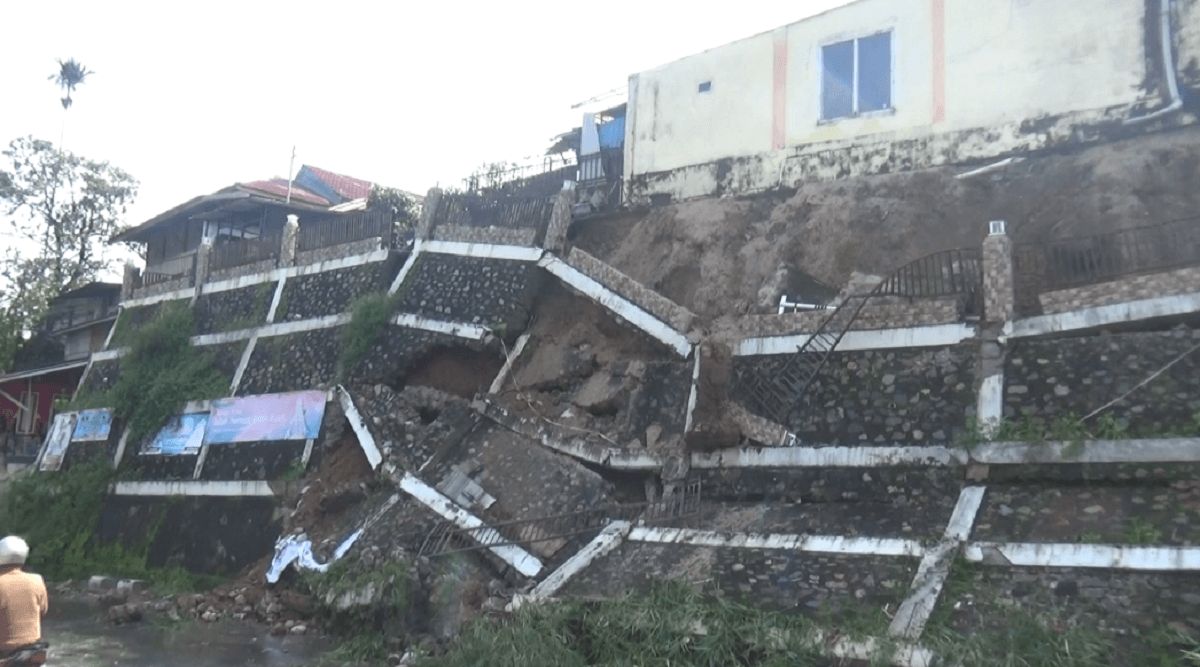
(369, 315)
(161, 372)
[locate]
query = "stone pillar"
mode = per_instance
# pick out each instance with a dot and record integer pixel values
(291, 235)
(131, 281)
(203, 262)
(560, 219)
(997, 274)
(424, 231)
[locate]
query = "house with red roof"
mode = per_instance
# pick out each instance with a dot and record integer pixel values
(247, 218)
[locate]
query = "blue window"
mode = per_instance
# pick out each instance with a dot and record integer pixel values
(856, 76)
(705, 87)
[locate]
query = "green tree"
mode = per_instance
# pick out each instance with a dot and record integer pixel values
(60, 210)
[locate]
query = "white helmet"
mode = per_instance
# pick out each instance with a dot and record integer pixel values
(13, 551)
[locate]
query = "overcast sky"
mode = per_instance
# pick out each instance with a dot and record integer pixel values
(190, 98)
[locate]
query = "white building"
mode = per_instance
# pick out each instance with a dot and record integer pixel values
(890, 85)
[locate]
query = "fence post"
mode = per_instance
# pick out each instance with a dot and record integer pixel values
(203, 261)
(131, 281)
(997, 274)
(560, 219)
(291, 236)
(424, 229)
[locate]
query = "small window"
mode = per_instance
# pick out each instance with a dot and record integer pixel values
(706, 86)
(856, 76)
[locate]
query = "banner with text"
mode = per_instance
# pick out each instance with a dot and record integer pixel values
(182, 435)
(57, 441)
(93, 425)
(295, 416)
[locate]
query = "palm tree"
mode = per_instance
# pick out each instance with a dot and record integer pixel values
(70, 74)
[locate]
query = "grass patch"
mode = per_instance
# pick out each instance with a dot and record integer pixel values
(674, 624)
(368, 317)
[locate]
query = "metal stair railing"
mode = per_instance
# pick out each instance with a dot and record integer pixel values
(946, 273)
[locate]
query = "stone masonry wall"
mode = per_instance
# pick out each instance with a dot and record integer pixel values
(294, 362)
(678, 317)
(233, 309)
(877, 314)
(491, 292)
(395, 351)
(1050, 379)
(329, 292)
(494, 235)
(251, 460)
(158, 467)
(162, 288)
(1181, 281)
(244, 270)
(338, 251)
(186, 528)
(778, 579)
(225, 356)
(903, 397)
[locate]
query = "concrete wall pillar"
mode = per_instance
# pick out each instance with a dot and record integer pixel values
(424, 231)
(203, 262)
(131, 281)
(997, 274)
(291, 237)
(560, 219)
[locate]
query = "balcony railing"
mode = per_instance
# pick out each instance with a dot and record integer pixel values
(73, 318)
(1066, 263)
(239, 252)
(507, 212)
(172, 269)
(366, 225)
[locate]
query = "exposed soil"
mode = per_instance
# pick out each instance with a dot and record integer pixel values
(726, 257)
(459, 371)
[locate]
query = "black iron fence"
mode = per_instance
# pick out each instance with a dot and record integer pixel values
(172, 269)
(239, 252)
(1066, 263)
(498, 179)
(507, 212)
(946, 273)
(366, 225)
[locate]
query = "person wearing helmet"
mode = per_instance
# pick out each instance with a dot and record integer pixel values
(23, 599)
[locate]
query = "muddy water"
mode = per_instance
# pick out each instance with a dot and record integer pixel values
(80, 636)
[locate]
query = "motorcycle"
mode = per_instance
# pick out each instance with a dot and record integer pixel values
(31, 655)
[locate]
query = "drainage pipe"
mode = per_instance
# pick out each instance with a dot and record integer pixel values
(1168, 68)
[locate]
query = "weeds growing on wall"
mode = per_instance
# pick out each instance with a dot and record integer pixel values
(358, 603)
(161, 372)
(368, 316)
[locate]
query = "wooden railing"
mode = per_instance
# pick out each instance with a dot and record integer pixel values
(172, 269)
(239, 252)
(366, 225)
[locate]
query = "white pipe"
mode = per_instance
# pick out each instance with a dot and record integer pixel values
(1168, 67)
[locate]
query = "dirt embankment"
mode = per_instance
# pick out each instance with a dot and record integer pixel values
(723, 258)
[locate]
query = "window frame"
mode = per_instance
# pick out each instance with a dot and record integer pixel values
(854, 38)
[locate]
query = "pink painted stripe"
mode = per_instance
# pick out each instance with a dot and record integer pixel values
(939, 60)
(779, 93)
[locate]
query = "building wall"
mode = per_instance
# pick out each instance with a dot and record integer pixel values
(956, 65)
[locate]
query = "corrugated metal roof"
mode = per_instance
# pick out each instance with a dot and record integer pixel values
(279, 187)
(346, 186)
